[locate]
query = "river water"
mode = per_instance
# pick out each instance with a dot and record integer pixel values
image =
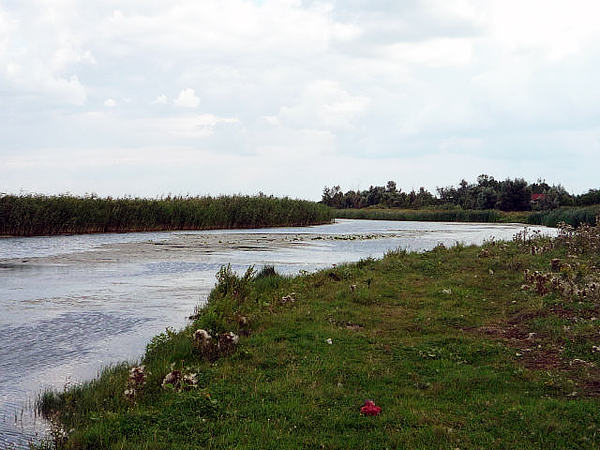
(70, 305)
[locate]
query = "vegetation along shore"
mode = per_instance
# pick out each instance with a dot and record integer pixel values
(465, 347)
(35, 215)
(488, 200)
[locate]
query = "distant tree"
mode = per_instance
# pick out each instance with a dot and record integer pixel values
(487, 193)
(515, 195)
(486, 181)
(487, 198)
(591, 197)
(447, 195)
(423, 198)
(332, 196)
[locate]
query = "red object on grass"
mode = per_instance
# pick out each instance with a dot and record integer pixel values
(370, 409)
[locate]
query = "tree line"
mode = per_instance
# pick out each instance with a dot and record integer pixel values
(486, 194)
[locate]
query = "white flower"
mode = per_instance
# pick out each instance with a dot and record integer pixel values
(191, 379)
(229, 338)
(202, 337)
(171, 378)
(129, 393)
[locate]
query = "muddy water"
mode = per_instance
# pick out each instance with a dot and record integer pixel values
(70, 305)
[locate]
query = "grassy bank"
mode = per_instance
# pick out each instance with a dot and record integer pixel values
(32, 215)
(550, 218)
(464, 347)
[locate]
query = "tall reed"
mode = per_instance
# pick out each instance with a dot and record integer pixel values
(31, 215)
(571, 216)
(445, 215)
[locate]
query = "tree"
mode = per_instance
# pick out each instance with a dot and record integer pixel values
(515, 195)
(332, 196)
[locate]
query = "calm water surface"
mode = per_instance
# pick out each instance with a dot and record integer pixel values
(70, 305)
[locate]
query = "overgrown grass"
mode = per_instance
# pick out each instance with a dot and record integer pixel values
(29, 215)
(465, 347)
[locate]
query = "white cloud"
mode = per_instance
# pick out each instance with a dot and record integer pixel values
(193, 126)
(545, 26)
(161, 100)
(187, 99)
(370, 86)
(324, 103)
(433, 53)
(272, 120)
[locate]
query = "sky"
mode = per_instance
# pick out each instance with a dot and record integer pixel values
(148, 98)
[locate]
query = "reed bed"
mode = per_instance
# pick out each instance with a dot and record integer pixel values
(574, 216)
(571, 216)
(37, 215)
(425, 215)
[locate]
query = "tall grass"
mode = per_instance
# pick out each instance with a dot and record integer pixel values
(571, 216)
(425, 215)
(30, 215)
(550, 218)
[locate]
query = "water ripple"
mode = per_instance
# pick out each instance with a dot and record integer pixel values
(66, 337)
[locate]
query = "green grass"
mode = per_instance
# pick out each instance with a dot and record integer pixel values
(451, 345)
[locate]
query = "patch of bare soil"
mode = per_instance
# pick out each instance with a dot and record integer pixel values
(538, 353)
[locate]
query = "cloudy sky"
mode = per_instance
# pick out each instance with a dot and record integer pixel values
(207, 97)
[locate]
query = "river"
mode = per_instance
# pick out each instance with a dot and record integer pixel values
(70, 305)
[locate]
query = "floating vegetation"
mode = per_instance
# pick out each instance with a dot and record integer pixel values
(350, 237)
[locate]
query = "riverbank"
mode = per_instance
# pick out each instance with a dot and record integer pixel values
(97, 299)
(469, 347)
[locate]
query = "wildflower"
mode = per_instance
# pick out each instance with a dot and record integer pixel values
(135, 382)
(229, 338)
(329, 341)
(370, 409)
(290, 298)
(137, 375)
(202, 337)
(129, 394)
(190, 380)
(172, 378)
